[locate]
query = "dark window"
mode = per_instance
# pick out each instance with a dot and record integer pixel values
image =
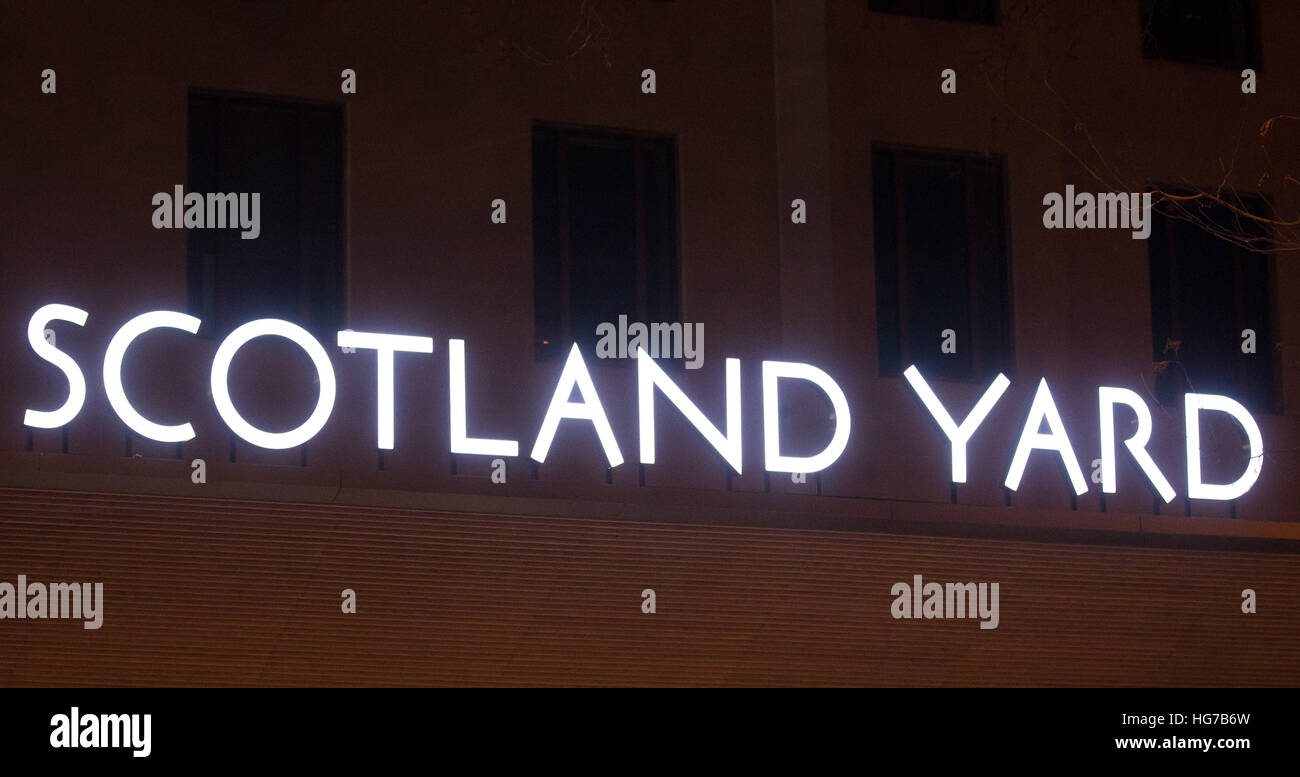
(977, 11)
(604, 233)
(941, 263)
(1205, 291)
(1203, 32)
(291, 154)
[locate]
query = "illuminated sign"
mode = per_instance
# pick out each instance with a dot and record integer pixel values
(651, 379)
(1043, 410)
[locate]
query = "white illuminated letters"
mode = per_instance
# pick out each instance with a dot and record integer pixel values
(1199, 490)
(575, 375)
(773, 460)
(113, 357)
(1031, 439)
(385, 346)
(958, 436)
(1043, 430)
(1108, 397)
(460, 441)
(264, 327)
(53, 419)
(650, 375)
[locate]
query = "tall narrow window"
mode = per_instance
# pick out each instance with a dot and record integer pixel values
(1205, 292)
(604, 233)
(942, 285)
(291, 154)
(1203, 32)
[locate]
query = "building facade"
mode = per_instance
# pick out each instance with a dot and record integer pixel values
(794, 181)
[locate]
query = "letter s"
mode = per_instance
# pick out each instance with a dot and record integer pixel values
(52, 419)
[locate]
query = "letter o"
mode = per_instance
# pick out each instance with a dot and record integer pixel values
(263, 327)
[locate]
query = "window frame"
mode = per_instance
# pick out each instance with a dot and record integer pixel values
(200, 273)
(1148, 47)
(980, 353)
(642, 143)
(1242, 389)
